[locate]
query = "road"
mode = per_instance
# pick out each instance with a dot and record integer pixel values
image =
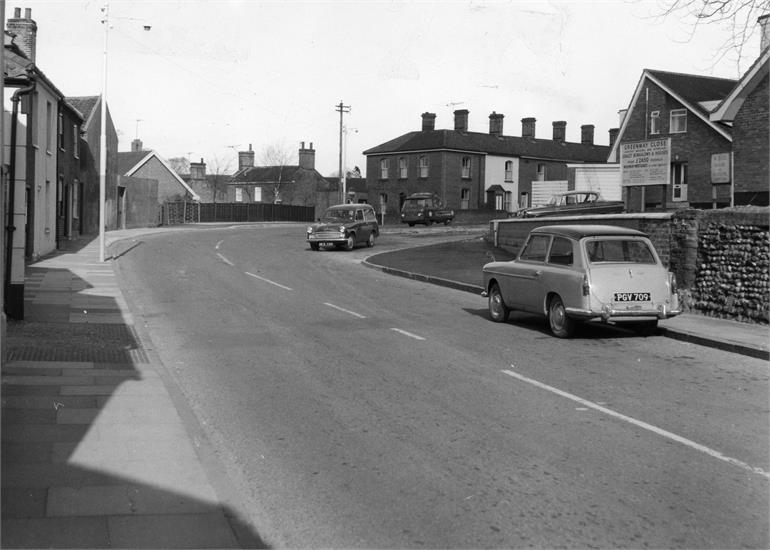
(352, 408)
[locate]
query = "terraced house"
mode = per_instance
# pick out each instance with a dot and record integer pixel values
(475, 170)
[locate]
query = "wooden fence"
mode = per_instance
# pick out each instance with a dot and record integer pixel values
(195, 212)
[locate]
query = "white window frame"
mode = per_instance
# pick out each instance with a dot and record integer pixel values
(403, 171)
(384, 169)
(465, 170)
(654, 122)
(508, 170)
(465, 198)
(678, 121)
(424, 166)
(238, 194)
(679, 182)
(540, 172)
(257, 193)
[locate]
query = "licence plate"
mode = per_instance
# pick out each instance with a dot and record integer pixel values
(632, 296)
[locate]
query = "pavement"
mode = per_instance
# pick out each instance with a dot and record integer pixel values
(99, 448)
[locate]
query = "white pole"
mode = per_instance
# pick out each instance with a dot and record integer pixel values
(103, 137)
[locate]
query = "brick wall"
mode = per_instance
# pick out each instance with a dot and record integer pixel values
(752, 148)
(721, 258)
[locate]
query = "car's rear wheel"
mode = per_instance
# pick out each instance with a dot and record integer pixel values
(313, 246)
(370, 242)
(498, 311)
(561, 326)
(411, 224)
(447, 222)
(350, 242)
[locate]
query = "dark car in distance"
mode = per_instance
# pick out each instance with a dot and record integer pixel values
(572, 203)
(425, 208)
(344, 226)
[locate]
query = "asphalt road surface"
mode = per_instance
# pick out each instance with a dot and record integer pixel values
(352, 408)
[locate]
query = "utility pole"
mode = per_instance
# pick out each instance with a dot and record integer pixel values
(342, 109)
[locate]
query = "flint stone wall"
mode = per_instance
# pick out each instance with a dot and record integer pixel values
(721, 258)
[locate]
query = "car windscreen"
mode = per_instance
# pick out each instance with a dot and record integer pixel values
(338, 214)
(413, 204)
(629, 251)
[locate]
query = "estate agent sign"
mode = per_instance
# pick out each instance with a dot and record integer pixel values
(720, 168)
(645, 162)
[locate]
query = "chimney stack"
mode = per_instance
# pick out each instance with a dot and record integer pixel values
(461, 120)
(24, 31)
(587, 134)
(246, 159)
(559, 130)
(136, 146)
(496, 124)
(428, 122)
(198, 170)
(528, 127)
(613, 136)
(764, 25)
(307, 157)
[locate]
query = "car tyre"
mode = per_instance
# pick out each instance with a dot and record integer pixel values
(560, 324)
(447, 222)
(498, 311)
(411, 224)
(350, 242)
(314, 246)
(370, 242)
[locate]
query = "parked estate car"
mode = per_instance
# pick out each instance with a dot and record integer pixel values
(571, 273)
(573, 202)
(344, 226)
(425, 208)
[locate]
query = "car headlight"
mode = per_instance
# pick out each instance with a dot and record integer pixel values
(342, 229)
(310, 229)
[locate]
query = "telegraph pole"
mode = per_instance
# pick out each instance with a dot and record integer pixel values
(342, 109)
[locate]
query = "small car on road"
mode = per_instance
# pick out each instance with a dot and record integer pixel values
(572, 203)
(425, 208)
(572, 273)
(344, 226)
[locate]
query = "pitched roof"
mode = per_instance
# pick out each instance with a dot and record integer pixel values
(86, 105)
(129, 162)
(266, 174)
(477, 142)
(731, 104)
(696, 93)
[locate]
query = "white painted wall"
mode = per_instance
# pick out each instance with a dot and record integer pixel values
(542, 191)
(495, 175)
(604, 178)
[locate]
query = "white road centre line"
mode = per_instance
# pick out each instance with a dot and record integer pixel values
(338, 308)
(268, 281)
(216, 247)
(409, 334)
(228, 262)
(659, 431)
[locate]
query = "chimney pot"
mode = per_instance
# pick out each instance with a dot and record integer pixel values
(246, 159)
(17, 13)
(559, 130)
(587, 134)
(27, 13)
(24, 31)
(307, 157)
(764, 37)
(428, 122)
(496, 124)
(528, 127)
(461, 120)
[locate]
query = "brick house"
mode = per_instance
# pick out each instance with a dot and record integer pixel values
(676, 107)
(296, 184)
(68, 185)
(746, 108)
(474, 170)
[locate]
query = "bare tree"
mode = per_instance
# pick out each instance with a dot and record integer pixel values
(737, 18)
(279, 156)
(181, 165)
(220, 172)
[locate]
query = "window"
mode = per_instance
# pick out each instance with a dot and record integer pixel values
(48, 126)
(402, 171)
(369, 215)
(508, 170)
(60, 132)
(383, 201)
(466, 167)
(540, 172)
(678, 123)
(384, 169)
(238, 194)
(465, 199)
(561, 251)
(619, 251)
(655, 122)
(535, 249)
(76, 141)
(257, 194)
(524, 199)
(498, 202)
(75, 199)
(423, 166)
(679, 181)
(508, 201)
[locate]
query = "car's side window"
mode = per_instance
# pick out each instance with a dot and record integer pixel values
(535, 249)
(359, 215)
(369, 215)
(561, 252)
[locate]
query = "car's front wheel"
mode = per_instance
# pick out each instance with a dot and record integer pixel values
(370, 242)
(498, 311)
(350, 242)
(313, 246)
(561, 326)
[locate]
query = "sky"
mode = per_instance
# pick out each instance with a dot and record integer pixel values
(206, 79)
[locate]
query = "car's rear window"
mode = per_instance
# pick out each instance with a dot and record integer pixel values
(619, 251)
